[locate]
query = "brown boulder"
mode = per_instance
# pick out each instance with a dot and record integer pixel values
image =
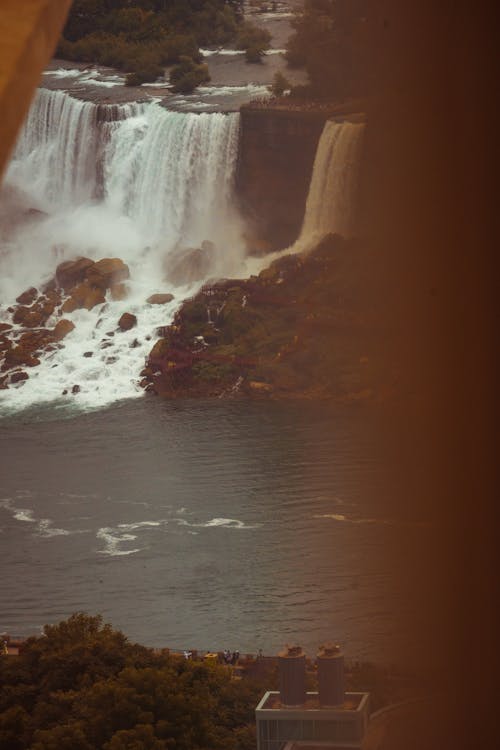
(72, 272)
(159, 299)
(18, 376)
(29, 317)
(127, 321)
(31, 341)
(5, 343)
(108, 272)
(5, 327)
(84, 296)
(118, 292)
(53, 295)
(62, 328)
(18, 355)
(190, 265)
(27, 297)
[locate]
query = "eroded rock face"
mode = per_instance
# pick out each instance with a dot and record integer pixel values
(127, 321)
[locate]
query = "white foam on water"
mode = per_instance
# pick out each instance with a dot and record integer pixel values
(94, 77)
(115, 536)
(24, 515)
(63, 73)
(252, 89)
(44, 526)
(112, 541)
(140, 525)
(226, 523)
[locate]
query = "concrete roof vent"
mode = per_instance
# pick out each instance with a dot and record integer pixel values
(292, 676)
(331, 683)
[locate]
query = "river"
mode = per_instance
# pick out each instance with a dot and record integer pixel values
(208, 525)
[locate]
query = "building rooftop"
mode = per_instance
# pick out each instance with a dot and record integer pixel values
(271, 701)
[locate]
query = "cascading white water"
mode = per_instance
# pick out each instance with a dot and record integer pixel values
(172, 173)
(331, 199)
(54, 152)
(136, 182)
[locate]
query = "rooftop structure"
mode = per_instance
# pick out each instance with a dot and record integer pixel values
(293, 719)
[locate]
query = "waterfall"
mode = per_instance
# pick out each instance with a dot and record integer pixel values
(172, 173)
(331, 199)
(53, 156)
(132, 181)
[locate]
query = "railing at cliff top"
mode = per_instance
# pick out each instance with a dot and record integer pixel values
(289, 104)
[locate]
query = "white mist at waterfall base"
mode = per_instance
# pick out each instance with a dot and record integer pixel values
(135, 182)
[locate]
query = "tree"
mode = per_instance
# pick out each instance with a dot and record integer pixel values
(330, 42)
(141, 36)
(280, 84)
(187, 75)
(83, 686)
(254, 41)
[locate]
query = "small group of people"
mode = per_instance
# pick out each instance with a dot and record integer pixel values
(230, 657)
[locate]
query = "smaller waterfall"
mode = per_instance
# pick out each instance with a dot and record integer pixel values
(331, 200)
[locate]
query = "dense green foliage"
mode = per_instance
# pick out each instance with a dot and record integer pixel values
(254, 41)
(330, 41)
(280, 84)
(141, 37)
(187, 75)
(83, 686)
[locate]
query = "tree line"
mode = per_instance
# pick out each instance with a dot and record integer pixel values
(330, 41)
(142, 37)
(84, 686)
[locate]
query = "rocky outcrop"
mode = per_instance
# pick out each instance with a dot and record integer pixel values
(77, 284)
(87, 282)
(28, 297)
(191, 265)
(72, 272)
(298, 329)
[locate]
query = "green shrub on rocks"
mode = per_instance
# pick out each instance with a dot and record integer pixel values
(187, 75)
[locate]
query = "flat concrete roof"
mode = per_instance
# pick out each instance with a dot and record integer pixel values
(353, 702)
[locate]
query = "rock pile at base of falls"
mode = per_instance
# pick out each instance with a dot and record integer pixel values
(191, 265)
(35, 325)
(298, 329)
